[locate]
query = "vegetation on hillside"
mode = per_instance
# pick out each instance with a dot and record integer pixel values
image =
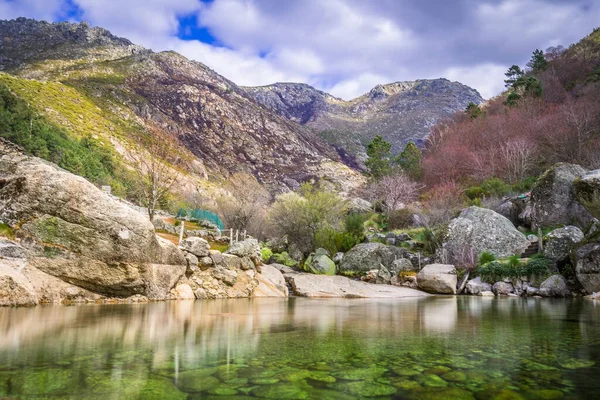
(550, 113)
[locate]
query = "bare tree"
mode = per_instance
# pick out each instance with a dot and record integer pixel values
(246, 208)
(155, 163)
(518, 156)
(394, 191)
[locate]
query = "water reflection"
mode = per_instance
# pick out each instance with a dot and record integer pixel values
(140, 342)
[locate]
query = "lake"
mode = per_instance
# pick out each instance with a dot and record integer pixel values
(431, 348)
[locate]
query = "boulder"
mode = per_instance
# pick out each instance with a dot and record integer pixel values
(74, 231)
(478, 229)
(553, 198)
(477, 286)
(438, 278)
(10, 249)
(183, 292)
(15, 288)
(368, 256)
(556, 286)
(309, 285)
(402, 265)
(383, 276)
(337, 258)
(271, 283)
(192, 262)
(560, 242)
(246, 248)
(587, 191)
(358, 205)
(503, 288)
(587, 266)
(196, 246)
(319, 263)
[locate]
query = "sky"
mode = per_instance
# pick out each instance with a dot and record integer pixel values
(344, 47)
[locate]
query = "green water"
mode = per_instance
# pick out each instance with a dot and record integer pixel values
(433, 348)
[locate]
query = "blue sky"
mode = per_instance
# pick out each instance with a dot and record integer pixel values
(344, 47)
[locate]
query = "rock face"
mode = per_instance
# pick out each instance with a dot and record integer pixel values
(271, 283)
(309, 285)
(553, 198)
(365, 257)
(438, 278)
(560, 242)
(15, 288)
(399, 111)
(587, 191)
(75, 232)
(479, 229)
(477, 286)
(587, 266)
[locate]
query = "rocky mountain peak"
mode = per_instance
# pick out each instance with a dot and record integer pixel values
(25, 40)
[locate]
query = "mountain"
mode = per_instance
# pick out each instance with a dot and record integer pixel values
(400, 111)
(98, 86)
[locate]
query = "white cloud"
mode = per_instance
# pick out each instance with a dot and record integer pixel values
(487, 78)
(344, 46)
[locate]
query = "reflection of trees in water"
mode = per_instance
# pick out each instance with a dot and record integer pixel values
(205, 332)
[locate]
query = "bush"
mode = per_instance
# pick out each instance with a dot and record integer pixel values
(6, 231)
(513, 268)
(355, 224)
(266, 254)
(284, 258)
(400, 219)
(486, 257)
(491, 187)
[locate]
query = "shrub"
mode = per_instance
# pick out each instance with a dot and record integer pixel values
(6, 231)
(266, 254)
(400, 219)
(177, 223)
(513, 268)
(486, 257)
(355, 224)
(284, 258)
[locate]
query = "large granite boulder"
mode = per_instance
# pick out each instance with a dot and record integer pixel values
(477, 286)
(560, 242)
(587, 265)
(478, 229)
(309, 285)
(438, 278)
(75, 232)
(249, 248)
(319, 263)
(196, 246)
(271, 283)
(503, 288)
(555, 286)
(587, 191)
(553, 198)
(365, 257)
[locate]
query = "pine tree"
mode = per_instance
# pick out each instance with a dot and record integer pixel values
(538, 61)
(473, 110)
(513, 74)
(378, 161)
(410, 161)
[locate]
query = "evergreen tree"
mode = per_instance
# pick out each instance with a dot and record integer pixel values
(378, 160)
(538, 61)
(410, 161)
(513, 74)
(473, 110)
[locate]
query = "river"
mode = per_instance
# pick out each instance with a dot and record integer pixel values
(431, 348)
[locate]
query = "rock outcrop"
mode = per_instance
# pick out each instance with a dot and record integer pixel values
(438, 278)
(587, 266)
(587, 191)
(309, 285)
(560, 242)
(365, 257)
(553, 199)
(479, 229)
(75, 232)
(320, 263)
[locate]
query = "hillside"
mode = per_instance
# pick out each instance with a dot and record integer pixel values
(400, 111)
(549, 114)
(106, 89)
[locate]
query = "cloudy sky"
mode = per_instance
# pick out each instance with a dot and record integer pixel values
(344, 47)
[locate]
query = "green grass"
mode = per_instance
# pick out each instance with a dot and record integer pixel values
(6, 231)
